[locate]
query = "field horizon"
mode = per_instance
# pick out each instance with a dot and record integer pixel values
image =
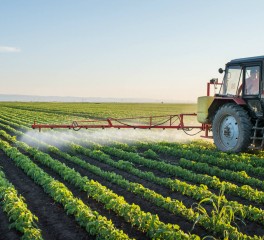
(39, 98)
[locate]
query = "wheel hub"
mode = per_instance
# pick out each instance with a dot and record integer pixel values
(229, 131)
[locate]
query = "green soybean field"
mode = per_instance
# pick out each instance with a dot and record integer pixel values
(121, 184)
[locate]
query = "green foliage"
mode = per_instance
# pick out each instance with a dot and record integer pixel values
(92, 221)
(150, 154)
(200, 169)
(19, 215)
(222, 213)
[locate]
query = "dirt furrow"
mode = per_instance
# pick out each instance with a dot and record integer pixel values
(5, 232)
(146, 206)
(53, 220)
(94, 205)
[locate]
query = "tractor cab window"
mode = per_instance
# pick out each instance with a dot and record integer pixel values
(232, 81)
(252, 80)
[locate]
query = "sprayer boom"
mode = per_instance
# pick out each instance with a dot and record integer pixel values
(160, 122)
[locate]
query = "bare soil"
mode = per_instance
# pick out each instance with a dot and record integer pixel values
(53, 220)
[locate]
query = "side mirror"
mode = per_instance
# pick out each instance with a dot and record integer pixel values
(220, 70)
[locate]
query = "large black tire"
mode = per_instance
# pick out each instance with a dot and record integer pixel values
(232, 128)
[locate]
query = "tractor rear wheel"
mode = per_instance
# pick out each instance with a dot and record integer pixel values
(232, 128)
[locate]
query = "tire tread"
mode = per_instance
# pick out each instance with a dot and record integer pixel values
(245, 123)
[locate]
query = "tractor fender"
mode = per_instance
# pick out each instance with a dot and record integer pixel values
(220, 101)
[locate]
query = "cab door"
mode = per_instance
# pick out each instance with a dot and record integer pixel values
(252, 88)
(252, 81)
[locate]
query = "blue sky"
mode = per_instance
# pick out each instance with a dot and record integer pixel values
(155, 49)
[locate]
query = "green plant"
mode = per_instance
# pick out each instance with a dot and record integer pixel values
(222, 213)
(150, 154)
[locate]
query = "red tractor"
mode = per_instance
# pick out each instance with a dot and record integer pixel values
(236, 112)
(234, 115)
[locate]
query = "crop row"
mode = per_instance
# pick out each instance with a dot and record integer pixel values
(244, 191)
(101, 110)
(174, 206)
(23, 125)
(170, 205)
(196, 192)
(42, 117)
(119, 179)
(252, 213)
(201, 167)
(94, 223)
(232, 163)
(16, 209)
(255, 159)
(146, 222)
(240, 177)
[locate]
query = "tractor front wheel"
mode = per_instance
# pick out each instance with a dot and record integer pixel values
(232, 128)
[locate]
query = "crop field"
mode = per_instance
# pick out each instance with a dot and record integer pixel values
(121, 184)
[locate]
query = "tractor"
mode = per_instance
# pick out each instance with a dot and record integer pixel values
(236, 112)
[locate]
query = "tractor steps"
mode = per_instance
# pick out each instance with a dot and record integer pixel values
(258, 136)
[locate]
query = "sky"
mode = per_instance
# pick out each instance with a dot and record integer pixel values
(153, 49)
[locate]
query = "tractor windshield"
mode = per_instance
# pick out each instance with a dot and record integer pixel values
(232, 81)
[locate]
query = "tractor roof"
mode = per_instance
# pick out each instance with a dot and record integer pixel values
(248, 59)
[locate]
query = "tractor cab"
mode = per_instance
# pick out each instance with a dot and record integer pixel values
(243, 79)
